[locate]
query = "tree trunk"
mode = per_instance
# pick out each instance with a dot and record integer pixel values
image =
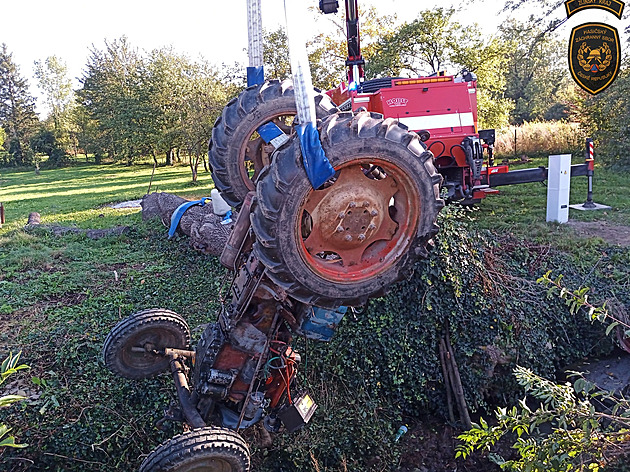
(204, 228)
(34, 225)
(169, 157)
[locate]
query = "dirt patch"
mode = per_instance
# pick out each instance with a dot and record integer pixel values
(612, 234)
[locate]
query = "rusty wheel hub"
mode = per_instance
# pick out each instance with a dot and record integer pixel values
(350, 215)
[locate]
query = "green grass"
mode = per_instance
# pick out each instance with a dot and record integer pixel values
(521, 209)
(79, 195)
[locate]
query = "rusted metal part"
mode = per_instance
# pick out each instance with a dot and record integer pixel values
(179, 369)
(361, 224)
(258, 366)
(237, 239)
(350, 215)
(148, 347)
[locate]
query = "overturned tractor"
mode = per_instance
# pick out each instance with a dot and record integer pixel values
(300, 253)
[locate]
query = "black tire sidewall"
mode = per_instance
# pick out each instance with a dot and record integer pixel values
(296, 276)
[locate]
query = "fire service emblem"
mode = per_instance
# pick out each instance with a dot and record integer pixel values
(613, 6)
(594, 56)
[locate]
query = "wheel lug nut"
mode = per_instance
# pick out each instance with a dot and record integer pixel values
(362, 237)
(348, 237)
(374, 213)
(352, 204)
(371, 226)
(341, 215)
(339, 229)
(366, 204)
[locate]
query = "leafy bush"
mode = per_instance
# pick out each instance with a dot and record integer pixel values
(9, 367)
(565, 432)
(383, 364)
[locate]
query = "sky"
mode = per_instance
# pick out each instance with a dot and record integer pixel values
(214, 29)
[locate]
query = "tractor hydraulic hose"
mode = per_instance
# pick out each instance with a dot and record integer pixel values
(441, 152)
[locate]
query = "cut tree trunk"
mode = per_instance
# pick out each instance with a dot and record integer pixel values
(34, 224)
(205, 229)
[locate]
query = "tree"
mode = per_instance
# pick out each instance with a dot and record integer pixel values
(537, 75)
(605, 116)
(17, 110)
(276, 54)
(199, 105)
(434, 42)
(113, 96)
(422, 47)
(327, 53)
(52, 79)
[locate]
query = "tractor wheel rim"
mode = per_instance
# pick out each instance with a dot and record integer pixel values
(150, 339)
(256, 153)
(361, 222)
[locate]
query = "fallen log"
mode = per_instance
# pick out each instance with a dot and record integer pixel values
(34, 224)
(206, 230)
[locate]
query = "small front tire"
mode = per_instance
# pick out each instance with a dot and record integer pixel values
(201, 450)
(132, 347)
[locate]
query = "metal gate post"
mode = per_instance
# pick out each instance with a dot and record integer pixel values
(589, 159)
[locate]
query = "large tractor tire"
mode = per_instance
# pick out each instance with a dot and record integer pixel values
(151, 330)
(362, 230)
(236, 152)
(206, 449)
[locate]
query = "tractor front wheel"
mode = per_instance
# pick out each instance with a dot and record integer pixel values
(134, 347)
(206, 449)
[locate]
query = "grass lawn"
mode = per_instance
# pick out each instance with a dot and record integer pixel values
(60, 296)
(77, 195)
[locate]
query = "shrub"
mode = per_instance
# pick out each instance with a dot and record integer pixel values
(540, 138)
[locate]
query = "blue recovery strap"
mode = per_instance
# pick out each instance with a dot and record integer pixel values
(255, 76)
(317, 165)
(179, 212)
(269, 131)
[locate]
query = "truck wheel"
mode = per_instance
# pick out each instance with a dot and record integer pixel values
(236, 151)
(151, 330)
(363, 229)
(205, 449)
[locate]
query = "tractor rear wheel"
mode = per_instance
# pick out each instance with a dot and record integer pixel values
(236, 152)
(132, 348)
(200, 450)
(363, 229)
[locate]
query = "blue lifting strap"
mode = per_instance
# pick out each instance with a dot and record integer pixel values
(255, 76)
(317, 165)
(269, 132)
(179, 212)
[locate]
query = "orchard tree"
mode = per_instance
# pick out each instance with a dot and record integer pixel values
(17, 110)
(113, 96)
(199, 105)
(53, 81)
